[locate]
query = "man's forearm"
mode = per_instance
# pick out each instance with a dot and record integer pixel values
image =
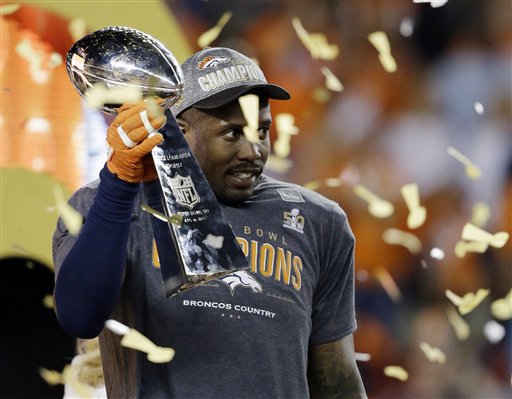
(332, 375)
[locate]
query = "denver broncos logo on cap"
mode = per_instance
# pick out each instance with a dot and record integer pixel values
(211, 61)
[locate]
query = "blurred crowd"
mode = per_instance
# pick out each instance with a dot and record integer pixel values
(452, 88)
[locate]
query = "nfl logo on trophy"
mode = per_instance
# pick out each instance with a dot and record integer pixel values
(184, 191)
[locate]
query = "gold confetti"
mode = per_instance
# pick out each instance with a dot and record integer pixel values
(176, 219)
(459, 325)
(388, 284)
(279, 165)
(469, 301)
(502, 308)
(71, 218)
(52, 377)
(434, 355)
(285, 128)
(313, 185)
(472, 171)
(470, 232)
(77, 28)
(211, 34)
(48, 301)
(98, 95)
(9, 9)
(380, 41)
(417, 213)
(376, 206)
(321, 95)
(399, 237)
(396, 372)
(481, 213)
(250, 108)
(333, 182)
(331, 81)
(463, 247)
(316, 43)
(214, 241)
(133, 339)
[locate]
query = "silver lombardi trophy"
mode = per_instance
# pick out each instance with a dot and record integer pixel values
(201, 246)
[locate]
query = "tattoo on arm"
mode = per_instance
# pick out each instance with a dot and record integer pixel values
(332, 371)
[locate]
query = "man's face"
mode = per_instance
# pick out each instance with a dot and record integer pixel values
(231, 163)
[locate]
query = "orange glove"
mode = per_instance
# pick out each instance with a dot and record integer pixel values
(130, 138)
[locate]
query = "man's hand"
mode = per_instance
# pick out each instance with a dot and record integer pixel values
(131, 136)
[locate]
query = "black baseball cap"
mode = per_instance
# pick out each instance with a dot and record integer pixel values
(216, 76)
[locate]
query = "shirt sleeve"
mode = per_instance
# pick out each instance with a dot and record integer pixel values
(333, 313)
(89, 268)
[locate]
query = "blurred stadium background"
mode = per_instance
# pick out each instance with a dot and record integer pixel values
(452, 88)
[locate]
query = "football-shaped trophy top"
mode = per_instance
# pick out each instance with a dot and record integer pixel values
(117, 57)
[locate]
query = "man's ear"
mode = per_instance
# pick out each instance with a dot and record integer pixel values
(183, 125)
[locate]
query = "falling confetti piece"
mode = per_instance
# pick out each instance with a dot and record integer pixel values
(333, 182)
(48, 301)
(9, 9)
(77, 28)
(494, 331)
(399, 237)
(406, 27)
(70, 217)
(321, 95)
(211, 34)
(459, 325)
(314, 185)
(434, 355)
(417, 213)
(250, 108)
(176, 219)
(481, 214)
(316, 43)
(388, 284)
(331, 81)
(380, 41)
(52, 377)
(279, 165)
(98, 95)
(463, 247)
(376, 206)
(433, 3)
(470, 232)
(362, 357)
(396, 372)
(502, 308)
(469, 301)
(362, 275)
(285, 127)
(437, 253)
(133, 339)
(214, 241)
(472, 171)
(479, 108)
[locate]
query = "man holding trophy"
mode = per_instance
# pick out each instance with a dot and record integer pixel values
(279, 328)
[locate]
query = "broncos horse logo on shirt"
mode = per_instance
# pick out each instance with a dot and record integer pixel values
(241, 279)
